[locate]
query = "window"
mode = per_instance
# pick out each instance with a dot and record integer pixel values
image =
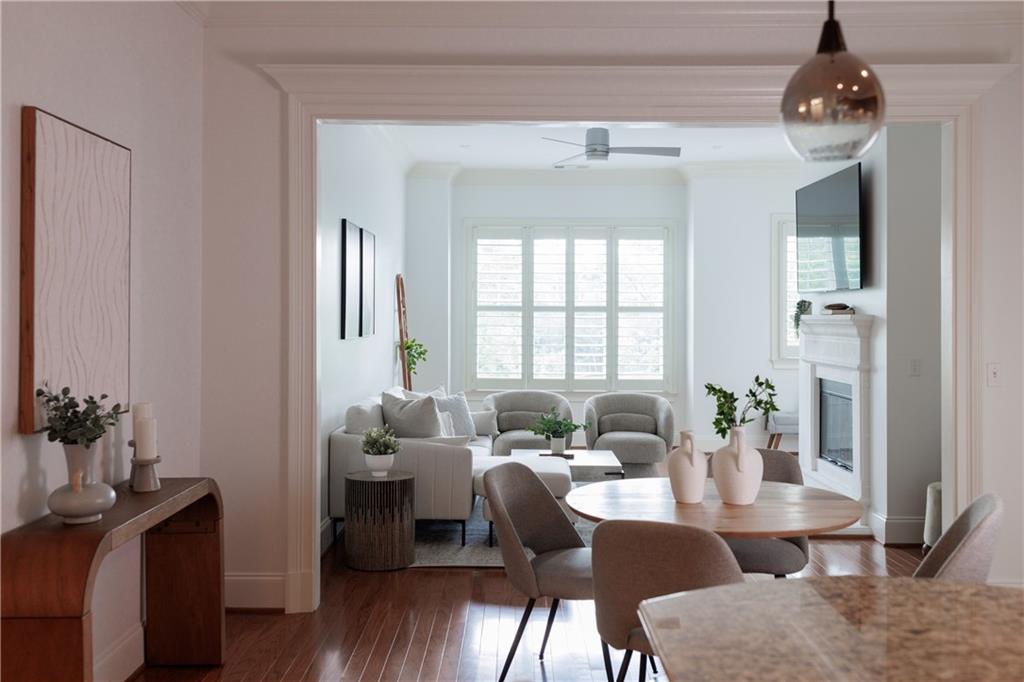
(785, 341)
(568, 307)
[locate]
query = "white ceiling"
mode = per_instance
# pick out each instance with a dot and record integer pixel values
(522, 146)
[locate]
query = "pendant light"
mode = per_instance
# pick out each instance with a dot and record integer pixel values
(833, 107)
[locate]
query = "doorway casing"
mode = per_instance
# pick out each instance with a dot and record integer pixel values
(682, 95)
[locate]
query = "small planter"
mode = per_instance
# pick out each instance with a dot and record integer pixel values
(379, 465)
(557, 445)
(82, 500)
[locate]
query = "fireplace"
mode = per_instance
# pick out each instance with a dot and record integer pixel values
(835, 423)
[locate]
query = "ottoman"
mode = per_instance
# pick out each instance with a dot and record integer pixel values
(553, 471)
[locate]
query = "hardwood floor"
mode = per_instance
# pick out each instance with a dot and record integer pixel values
(448, 624)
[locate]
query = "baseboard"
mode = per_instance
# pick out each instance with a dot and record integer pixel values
(1018, 584)
(857, 530)
(254, 590)
(122, 659)
(897, 530)
(327, 536)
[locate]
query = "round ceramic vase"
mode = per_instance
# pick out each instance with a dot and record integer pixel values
(737, 469)
(687, 470)
(82, 500)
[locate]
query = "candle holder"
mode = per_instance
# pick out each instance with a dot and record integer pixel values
(144, 478)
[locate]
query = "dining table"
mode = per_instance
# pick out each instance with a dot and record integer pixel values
(839, 628)
(781, 510)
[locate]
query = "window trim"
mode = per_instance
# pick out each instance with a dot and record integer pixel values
(529, 229)
(782, 224)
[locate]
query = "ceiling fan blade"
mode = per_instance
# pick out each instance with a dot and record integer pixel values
(648, 151)
(574, 144)
(574, 156)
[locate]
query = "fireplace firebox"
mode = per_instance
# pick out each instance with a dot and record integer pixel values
(835, 423)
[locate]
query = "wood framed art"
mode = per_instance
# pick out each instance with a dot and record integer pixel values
(358, 251)
(75, 263)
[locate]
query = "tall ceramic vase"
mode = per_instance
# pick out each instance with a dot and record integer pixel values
(737, 469)
(82, 500)
(687, 470)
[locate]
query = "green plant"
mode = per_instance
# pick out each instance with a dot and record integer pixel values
(551, 425)
(760, 398)
(803, 307)
(74, 422)
(415, 353)
(380, 441)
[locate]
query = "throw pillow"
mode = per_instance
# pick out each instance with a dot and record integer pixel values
(362, 416)
(438, 392)
(447, 428)
(486, 422)
(411, 418)
(457, 406)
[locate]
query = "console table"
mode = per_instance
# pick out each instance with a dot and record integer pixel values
(48, 570)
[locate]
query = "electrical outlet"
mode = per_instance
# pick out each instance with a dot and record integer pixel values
(993, 374)
(915, 367)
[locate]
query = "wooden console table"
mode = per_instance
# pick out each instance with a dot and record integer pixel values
(48, 570)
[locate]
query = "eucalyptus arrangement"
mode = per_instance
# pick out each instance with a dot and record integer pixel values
(381, 441)
(415, 353)
(760, 398)
(803, 307)
(74, 422)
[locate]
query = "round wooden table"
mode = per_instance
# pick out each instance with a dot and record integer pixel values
(380, 521)
(839, 628)
(781, 510)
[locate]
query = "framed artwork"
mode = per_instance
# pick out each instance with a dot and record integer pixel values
(75, 263)
(367, 270)
(351, 282)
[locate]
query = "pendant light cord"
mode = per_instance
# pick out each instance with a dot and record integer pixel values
(831, 35)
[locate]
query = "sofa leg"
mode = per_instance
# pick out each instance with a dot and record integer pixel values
(463, 523)
(779, 576)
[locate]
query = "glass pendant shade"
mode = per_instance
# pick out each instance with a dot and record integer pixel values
(833, 107)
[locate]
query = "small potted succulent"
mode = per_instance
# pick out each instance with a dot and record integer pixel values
(77, 425)
(555, 429)
(379, 448)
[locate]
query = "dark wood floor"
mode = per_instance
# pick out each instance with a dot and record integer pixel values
(448, 624)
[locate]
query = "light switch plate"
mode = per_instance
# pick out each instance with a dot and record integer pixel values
(993, 374)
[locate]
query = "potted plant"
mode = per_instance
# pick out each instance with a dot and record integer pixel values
(78, 425)
(555, 430)
(415, 353)
(736, 467)
(379, 448)
(803, 307)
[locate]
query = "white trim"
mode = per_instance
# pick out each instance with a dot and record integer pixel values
(676, 94)
(122, 658)
(255, 590)
(779, 311)
(897, 530)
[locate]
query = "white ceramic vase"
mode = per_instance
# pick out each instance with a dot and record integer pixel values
(737, 469)
(687, 470)
(82, 500)
(379, 465)
(557, 445)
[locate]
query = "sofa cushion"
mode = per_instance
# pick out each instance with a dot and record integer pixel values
(457, 441)
(486, 422)
(364, 415)
(632, 447)
(415, 418)
(517, 420)
(520, 439)
(457, 406)
(481, 446)
(554, 471)
(627, 421)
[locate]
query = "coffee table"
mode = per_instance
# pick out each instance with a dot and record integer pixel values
(583, 462)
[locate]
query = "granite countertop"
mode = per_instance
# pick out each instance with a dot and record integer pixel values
(840, 628)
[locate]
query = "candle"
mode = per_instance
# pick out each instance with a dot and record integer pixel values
(141, 411)
(145, 437)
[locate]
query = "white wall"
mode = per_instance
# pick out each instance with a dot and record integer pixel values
(131, 72)
(360, 177)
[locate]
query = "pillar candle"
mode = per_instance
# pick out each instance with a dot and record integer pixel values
(145, 437)
(140, 411)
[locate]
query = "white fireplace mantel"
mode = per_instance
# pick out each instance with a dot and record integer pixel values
(836, 347)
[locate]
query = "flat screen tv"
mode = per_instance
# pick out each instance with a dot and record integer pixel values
(829, 232)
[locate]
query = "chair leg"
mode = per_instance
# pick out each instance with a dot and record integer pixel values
(643, 667)
(625, 666)
(490, 533)
(547, 630)
(463, 532)
(515, 642)
(607, 661)
(654, 668)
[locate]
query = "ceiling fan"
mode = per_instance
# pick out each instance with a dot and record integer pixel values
(597, 148)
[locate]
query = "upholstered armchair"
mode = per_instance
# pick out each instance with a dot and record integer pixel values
(518, 410)
(637, 427)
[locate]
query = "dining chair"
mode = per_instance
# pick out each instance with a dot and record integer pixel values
(527, 516)
(964, 552)
(637, 560)
(778, 556)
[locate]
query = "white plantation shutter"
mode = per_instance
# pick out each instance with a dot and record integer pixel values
(641, 272)
(785, 343)
(641, 349)
(549, 345)
(498, 316)
(549, 272)
(499, 272)
(590, 273)
(590, 348)
(792, 296)
(641, 315)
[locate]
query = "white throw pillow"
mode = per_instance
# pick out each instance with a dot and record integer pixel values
(485, 422)
(458, 407)
(447, 428)
(438, 392)
(417, 418)
(362, 416)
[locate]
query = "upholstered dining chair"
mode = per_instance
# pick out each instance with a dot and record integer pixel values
(527, 516)
(964, 552)
(778, 556)
(637, 560)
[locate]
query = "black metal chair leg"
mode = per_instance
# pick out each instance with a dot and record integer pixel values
(607, 661)
(490, 533)
(463, 533)
(515, 642)
(625, 666)
(547, 630)
(654, 668)
(643, 667)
